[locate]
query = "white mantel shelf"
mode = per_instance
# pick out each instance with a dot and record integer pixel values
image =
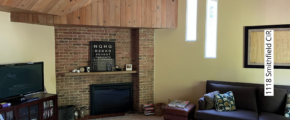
(99, 73)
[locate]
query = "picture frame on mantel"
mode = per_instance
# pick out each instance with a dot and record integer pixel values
(103, 57)
(254, 46)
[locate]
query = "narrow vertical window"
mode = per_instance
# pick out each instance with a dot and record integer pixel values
(211, 29)
(191, 15)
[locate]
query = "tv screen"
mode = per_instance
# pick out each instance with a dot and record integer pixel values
(20, 79)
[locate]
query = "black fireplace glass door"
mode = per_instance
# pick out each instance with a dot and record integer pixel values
(111, 99)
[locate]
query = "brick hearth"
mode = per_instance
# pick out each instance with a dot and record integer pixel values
(134, 46)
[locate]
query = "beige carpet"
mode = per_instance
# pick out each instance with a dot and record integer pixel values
(133, 117)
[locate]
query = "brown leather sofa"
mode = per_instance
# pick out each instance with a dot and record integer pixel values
(250, 102)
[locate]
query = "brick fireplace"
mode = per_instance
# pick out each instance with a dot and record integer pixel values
(133, 46)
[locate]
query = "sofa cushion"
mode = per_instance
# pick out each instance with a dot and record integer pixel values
(239, 114)
(271, 116)
(287, 109)
(273, 104)
(209, 99)
(225, 102)
(245, 97)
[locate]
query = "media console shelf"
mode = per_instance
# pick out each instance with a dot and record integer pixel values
(41, 106)
(99, 73)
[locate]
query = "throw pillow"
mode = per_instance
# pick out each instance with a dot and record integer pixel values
(225, 102)
(287, 110)
(245, 97)
(209, 99)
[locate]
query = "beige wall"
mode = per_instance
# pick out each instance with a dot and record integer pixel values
(21, 43)
(180, 67)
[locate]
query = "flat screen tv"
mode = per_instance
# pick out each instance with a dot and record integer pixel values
(21, 79)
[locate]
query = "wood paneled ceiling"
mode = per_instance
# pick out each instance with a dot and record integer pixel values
(102, 13)
(53, 7)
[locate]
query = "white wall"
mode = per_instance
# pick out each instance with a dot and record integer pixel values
(21, 43)
(180, 67)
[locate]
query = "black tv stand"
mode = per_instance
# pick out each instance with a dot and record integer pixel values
(14, 100)
(41, 106)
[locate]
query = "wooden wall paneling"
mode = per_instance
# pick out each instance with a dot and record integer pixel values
(30, 18)
(133, 12)
(111, 13)
(75, 6)
(13, 17)
(107, 12)
(146, 13)
(76, 19)
(100, 14)
(56, 20)
(129, 12)
(176, 14)
(50, 6)
(70, 18)
(49, 19)
(158, 13)
(82, 16)
(40, 5)
(168, 13)
(89, 2)
(138, 13)
(68, 6)
(42, 19)
(173, 13)
(88, 14)
(149, 13)
(117, 9)
(63, 19)
(57, 6)
(123, 12)
(60, 19)
(153, 14)
(94, 13)
(22, 17)
(163, 13)
(143, 15)
(26, 4)
(35, 18)
(14, 3)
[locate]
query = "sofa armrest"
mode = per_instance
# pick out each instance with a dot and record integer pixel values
(201, 103)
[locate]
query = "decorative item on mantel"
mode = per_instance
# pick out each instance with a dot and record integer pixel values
(88, 69)
(81, 70)
(102, 56)
(118, 68)
(129, 67)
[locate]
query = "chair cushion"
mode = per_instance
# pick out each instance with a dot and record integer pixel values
(225, 102)
(271, 116)
(239, 114)
(209, 99)
(245, 97)
(273, 104)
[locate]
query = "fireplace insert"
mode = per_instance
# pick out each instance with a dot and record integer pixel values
(111, 98)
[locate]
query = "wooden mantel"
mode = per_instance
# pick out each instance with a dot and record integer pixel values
(97, 73)
(102, 13)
